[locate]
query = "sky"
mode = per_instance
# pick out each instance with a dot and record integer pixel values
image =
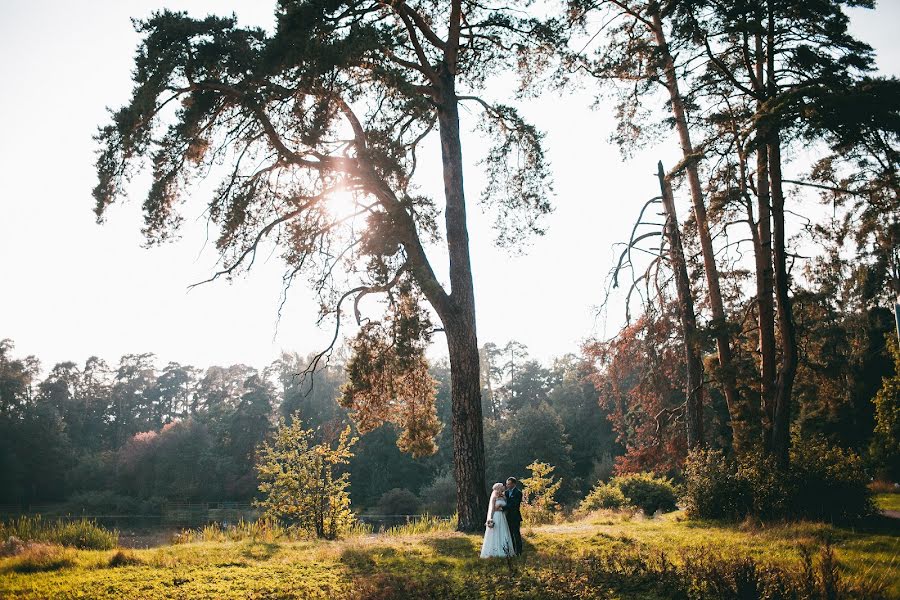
(71, 289)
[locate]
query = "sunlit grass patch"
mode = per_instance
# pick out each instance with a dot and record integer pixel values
(607, 555)
(890, 501)
(425, 524)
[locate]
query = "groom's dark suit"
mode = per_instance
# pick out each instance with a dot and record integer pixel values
(514, 517)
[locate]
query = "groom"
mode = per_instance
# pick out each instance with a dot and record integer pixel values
(513, 496)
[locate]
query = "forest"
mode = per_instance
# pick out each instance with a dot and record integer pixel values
(126, 439)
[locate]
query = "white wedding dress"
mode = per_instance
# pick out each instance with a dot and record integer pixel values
(497, 540)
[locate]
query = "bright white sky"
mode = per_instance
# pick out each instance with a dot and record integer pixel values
(72, 289)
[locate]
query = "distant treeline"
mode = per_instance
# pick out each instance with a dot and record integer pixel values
(129, 437)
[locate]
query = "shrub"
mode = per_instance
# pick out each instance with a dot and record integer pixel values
(765, 491)
(712, 487)
(822, 482)
(439, 497)
(647, 492)
(538, 502)
(829, 482)
(603, 495)
(81, 533)
(36, 558)
(398, 502)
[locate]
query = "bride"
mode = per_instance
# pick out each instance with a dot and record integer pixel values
(497, 540)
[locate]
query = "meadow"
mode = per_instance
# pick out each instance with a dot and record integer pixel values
(614, 555)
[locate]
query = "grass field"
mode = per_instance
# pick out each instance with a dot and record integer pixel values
(608, 555)
(888, 501)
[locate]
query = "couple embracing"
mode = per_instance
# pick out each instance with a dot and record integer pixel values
(501, 536)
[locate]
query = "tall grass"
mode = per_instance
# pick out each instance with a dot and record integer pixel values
(426, 524)
(80, 533)
(270, 530)
(266, 530)
(37, 558)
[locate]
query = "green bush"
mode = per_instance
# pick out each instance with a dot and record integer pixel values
(829, 482)
(439, 497)
(647, 492)
(398, 502)
(712, 487)
(822, 482)
(604, 495)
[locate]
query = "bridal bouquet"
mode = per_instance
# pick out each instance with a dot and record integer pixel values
(490, 523)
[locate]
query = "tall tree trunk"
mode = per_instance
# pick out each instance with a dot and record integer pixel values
(765, 307)
(459, 325)
(764, 290)
(736, 408)
(784, 384)
(694, 392)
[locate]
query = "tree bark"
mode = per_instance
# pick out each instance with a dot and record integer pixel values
(764, 290)
(764, 273)
(694, 385)
(726, 375)
(459, 324)
(784, 384)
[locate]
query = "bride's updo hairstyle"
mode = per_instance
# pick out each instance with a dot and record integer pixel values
(497, 487)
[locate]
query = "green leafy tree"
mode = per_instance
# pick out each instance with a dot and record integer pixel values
(538, 503)
(886, 441)
(531, 432)
(302, 482)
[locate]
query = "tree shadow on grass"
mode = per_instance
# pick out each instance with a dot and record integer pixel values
(456, 547)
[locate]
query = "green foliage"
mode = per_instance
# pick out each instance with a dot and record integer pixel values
(885, 448)
(439, 496)
(80, 533)
(538, 501)
(604, 495)
(639, 490)
(829, 482)
(532, 431)
(822, 482)
(301, 482)
(647, 491)
(398, 501)
(712, 488)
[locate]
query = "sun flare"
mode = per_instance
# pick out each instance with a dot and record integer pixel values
(341, 203)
